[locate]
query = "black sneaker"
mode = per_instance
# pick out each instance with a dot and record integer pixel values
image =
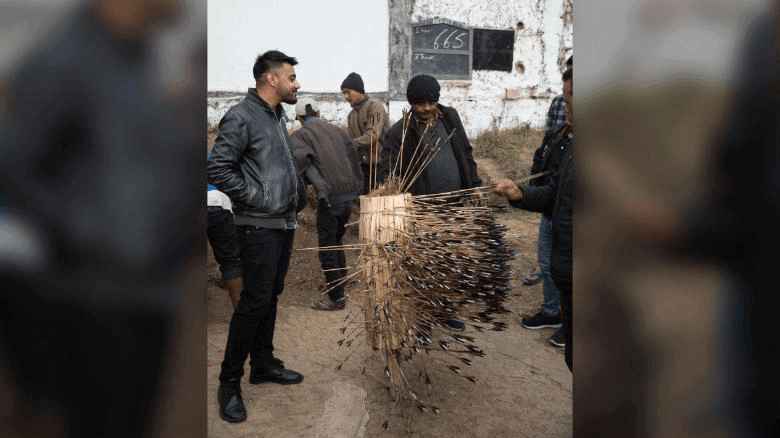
(231, 405)
(558, 339)
(540, 321)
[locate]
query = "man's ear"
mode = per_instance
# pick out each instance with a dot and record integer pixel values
(270, 78)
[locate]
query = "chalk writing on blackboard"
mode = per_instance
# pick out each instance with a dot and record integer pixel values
(442, 49)
(457, 43)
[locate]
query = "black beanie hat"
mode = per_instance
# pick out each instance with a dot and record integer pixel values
(353, 82)
(423, 88)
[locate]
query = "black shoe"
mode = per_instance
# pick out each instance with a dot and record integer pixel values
(275, 374)
(456, 324)
(558, 339)
(540, 320)
(231, 405)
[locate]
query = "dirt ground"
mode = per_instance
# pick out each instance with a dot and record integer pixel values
(524, 388)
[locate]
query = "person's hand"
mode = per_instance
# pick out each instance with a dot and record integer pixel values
(508, 189)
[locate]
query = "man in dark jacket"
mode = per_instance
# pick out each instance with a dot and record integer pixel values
(252, 163)
(558, 196)
(326, 157)
(432, 125)
(454, 167)
(556, 118)
(546, 159)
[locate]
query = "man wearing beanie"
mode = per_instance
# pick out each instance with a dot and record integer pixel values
(453, 167)
(366, 123)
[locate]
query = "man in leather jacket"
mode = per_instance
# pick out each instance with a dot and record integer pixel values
(252, 163)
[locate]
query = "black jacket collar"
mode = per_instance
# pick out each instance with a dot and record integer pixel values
(254, 97)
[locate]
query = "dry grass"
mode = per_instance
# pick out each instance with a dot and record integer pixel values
(511, 149)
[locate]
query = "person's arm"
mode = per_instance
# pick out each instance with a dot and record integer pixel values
(354, 159)
(391, 146)
(306, 162)
(530, 198)
(468, 151)
(538, 160)
(376, 125)
(223, 168)
(537, 198)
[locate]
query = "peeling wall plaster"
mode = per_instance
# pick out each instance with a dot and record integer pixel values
(491, 99)
(501, 99)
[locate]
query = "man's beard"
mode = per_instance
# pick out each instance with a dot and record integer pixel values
(428, 117)
(290, 99)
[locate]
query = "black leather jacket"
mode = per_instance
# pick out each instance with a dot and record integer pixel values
(252, 163)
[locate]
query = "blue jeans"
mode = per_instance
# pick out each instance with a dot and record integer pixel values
(552, 297)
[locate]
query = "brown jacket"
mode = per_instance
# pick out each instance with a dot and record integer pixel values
(327, 149)
(368, 120)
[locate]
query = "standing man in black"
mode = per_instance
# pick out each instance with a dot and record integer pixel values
(252, 163)
(557, 197)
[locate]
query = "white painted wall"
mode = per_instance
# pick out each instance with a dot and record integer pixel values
(481, 102)
(330, 39)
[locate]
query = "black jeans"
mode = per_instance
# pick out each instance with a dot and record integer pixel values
(330, 231)
(265, 256)
(224, 242)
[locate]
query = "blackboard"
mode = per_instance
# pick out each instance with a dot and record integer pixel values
(493, 49)
(442, 50)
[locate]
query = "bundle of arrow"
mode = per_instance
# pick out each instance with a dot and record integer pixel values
(423, 261)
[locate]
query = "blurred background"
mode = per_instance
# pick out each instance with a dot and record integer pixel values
(677, 119)
(102, 309)
(102, 119)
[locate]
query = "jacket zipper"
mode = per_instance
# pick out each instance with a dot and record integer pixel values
(289, 157)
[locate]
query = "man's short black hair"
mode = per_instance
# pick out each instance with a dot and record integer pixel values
(270, 60)
(568, 74)
(570, 61)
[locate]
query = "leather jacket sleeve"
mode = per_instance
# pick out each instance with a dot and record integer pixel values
(223, 167)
